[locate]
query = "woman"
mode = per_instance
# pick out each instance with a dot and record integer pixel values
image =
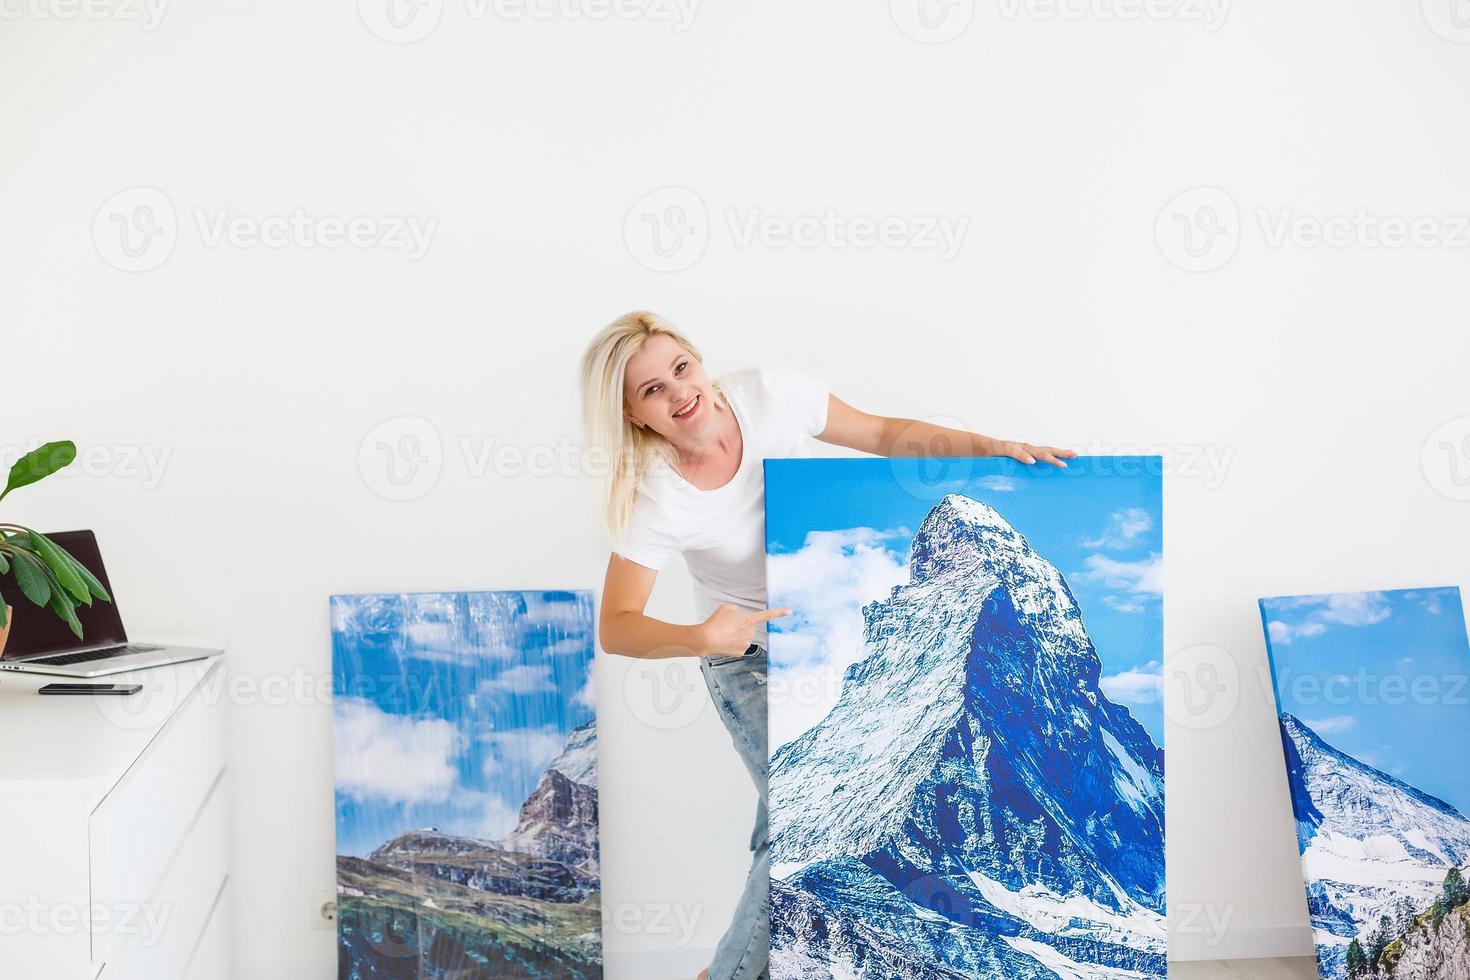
(686, 479)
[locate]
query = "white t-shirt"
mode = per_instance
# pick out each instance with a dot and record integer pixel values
(722, 532)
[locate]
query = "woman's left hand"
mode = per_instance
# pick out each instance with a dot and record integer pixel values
(1027, 453)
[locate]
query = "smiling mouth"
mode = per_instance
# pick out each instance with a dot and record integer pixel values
(690, 408)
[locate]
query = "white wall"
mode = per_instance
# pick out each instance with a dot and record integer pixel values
(1312, 377)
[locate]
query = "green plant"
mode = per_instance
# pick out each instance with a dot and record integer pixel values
(43, 571)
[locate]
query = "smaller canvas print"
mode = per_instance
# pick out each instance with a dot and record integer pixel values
(466, 786)
(1373, 692)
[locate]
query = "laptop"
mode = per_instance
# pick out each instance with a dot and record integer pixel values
(41, 642)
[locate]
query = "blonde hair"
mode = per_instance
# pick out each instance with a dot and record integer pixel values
(630, 448)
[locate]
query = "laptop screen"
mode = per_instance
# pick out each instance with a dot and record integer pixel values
(38, 630)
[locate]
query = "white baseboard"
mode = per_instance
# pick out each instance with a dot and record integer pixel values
(1241, 943)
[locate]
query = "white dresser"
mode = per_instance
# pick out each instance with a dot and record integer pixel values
(114, 829)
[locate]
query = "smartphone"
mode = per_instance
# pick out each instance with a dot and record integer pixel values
(91, 689)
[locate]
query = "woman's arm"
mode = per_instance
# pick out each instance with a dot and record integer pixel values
(882, 436)
(622, 627)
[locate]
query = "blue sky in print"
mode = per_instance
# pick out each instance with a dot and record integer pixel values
(449, 706)
(848, 523)
(1381, 676)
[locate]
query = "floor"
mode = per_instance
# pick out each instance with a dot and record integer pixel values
(1302, 969)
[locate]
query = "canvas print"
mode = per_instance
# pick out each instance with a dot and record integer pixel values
(466, 786)
(1372, 693)
(966, 775)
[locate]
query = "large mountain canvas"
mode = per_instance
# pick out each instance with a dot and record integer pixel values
(966, 775)
(1373, 690)
(466, 786)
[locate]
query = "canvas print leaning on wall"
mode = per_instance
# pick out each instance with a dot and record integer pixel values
(466, 786)
(1373, 691)
(967, 777)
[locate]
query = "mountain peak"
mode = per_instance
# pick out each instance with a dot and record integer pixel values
(958, 532)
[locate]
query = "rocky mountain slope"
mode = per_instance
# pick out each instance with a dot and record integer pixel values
(973, 805)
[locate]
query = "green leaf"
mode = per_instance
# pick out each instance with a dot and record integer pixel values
(2, 612)
(4, 563)
(31, 575)
(67, 610)
(39, 464)
(61, 566)
(93, 586)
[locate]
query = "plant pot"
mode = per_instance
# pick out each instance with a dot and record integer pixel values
(5, 630)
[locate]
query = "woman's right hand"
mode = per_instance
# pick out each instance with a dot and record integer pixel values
(730, 630)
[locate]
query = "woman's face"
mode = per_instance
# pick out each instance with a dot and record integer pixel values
(666, 390)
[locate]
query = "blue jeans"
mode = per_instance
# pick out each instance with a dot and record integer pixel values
(738, 687)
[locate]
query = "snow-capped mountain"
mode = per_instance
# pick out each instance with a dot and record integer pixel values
(972, 805)
(1368, 841)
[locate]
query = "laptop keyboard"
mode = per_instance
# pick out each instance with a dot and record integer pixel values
(104, 654)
